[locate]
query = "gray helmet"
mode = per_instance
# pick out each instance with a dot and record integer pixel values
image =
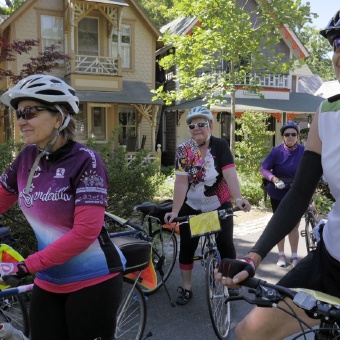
(199, 112)
(46, 89)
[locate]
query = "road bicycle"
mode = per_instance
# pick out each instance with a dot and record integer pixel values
(132, 312)
(316, 304)
(204, 226)
(151, 228)
(162, 237)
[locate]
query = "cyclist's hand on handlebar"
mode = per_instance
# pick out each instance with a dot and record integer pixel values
(231, 272)
(8, 269)
(243, 204)
(279, 184)
(168, 217)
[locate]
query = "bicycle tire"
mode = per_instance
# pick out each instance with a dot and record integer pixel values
(131, 315)
(13, 310)
(310, 238)
(164, 243)
(216, 293)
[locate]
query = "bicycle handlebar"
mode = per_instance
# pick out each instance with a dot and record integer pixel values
(223, 213)
(321, 306)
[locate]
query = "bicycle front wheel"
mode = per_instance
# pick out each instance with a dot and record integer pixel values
(131, 315)
(13, 310)
(216, 293)
(309, 235)
(164, 254)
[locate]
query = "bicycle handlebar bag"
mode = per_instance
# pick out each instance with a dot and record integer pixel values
(137, 252)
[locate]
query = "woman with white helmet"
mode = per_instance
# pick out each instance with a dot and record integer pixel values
(320, 269)
(61, 187)
(206, 180)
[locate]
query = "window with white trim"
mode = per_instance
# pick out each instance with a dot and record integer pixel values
(88, 37)
(124, 36)
(127, 124)
(98, 123)
(52, 31)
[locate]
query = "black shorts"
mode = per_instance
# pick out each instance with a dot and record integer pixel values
(317, 271)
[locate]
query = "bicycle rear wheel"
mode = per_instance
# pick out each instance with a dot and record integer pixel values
(164, 254)
(309, 235)
(216, 293)
(131, 315)
(13, 310)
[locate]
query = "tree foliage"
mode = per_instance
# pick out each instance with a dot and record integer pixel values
(255, 143)
(45, 62)
(231, 42)
(158, 10)
(319, 60)
(11, 6)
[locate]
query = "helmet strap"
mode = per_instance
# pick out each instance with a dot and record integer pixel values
(48, 148)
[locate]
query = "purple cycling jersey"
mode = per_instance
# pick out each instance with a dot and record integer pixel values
(283, 163)
(72, 176)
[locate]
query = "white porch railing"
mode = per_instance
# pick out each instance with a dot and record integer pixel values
(152, 156)
(98, 65)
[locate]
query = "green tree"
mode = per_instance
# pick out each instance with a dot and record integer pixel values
(157, 10)
(231, 42)
(11, 6)
(250, 151)
(319, 60)
(255, 143)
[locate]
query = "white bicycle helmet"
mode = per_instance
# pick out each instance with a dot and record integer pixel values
(332, 30)
(199, 112)
(46, 89)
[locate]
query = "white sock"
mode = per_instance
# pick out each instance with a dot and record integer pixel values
(281, 253)
(294, 255)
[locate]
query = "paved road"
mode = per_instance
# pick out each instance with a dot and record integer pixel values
(192, 321)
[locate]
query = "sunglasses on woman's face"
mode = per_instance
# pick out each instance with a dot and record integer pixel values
(293, 134)
(30, 112)
(199, 125)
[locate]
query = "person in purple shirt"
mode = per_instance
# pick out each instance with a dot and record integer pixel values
(61, 187)
(279, 169)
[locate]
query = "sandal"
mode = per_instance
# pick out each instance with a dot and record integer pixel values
(184, 297)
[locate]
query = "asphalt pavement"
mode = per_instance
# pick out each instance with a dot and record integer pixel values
(192, 320)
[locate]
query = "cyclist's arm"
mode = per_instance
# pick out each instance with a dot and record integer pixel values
(230, 176)
(88, 221)
(7, 199)
(180, 190)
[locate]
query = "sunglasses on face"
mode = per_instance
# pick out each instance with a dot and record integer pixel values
(336, 45)
(199, 125)
(293, 134)
(30, 112)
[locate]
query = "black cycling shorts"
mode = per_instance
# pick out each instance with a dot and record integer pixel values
(317, 271)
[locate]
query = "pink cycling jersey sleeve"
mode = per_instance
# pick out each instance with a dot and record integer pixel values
(88, 221)
(7, 199)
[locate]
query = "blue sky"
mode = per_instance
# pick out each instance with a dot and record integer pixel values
(325, 9)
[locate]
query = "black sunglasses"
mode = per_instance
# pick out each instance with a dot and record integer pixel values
(30, 112)
(293, 134)
(199, 125)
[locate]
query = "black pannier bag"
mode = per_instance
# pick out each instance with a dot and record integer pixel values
(137, 252)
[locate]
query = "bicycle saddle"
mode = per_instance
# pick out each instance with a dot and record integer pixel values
(152, 208)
